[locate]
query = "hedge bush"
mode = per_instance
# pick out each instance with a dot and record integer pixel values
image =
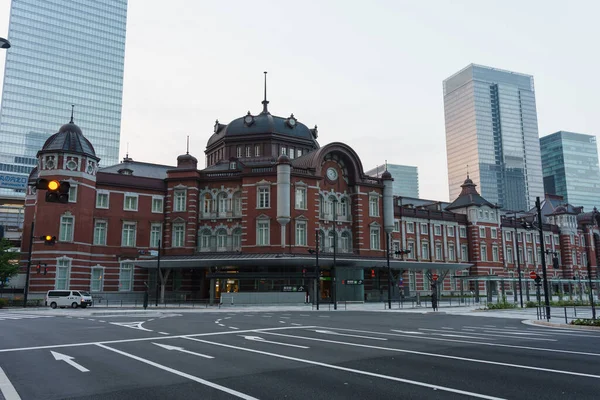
(3, 303)
(586, 322)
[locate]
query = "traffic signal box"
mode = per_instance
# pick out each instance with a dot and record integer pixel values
(57, 191)
(48, 240)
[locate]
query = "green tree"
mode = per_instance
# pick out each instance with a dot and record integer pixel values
(8, 266)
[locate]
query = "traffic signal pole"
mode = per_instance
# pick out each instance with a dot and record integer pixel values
(542, 246)
(26, 289)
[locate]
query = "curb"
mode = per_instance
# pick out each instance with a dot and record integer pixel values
(534, 322)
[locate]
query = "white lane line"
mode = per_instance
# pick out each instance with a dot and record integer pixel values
(248, 315)
(578, 334)
(285, 317)
(304, 315)
(227, 318)
(282, 322)
(163, 333)
(181, 349)
(91, 319)
(151, 319)
(407, 332)
(494, 335)
(324, 316)
(435, 355)
(233, 327)
(221, 325)
(345, 334)
(6, 387)
(295, 324)
(80, 318)
(182, 374)
(445, 327)
(356, 371)
(490, 326)
(101, 321)
(132, 325)
(59, 346)
(267, 316)
(259, 339)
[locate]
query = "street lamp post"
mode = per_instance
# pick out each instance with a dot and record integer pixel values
(389, 268)
(589, 268)
(518, 260)
(333, 273)
(317, 268)
(544, 273)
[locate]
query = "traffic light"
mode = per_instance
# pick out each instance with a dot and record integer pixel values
(303, 271)
(45, 269)
(57, 191)
(38, 268)
(48, 240)
(555, 263)
(372, 272)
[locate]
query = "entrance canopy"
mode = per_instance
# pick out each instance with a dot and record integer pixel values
(207, 260)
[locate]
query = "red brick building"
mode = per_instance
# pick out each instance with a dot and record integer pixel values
(244, 225)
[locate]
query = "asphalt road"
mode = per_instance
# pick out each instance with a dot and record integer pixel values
(86, 354)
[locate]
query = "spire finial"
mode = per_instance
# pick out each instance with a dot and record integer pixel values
(188, 145)
(386, 165)
(467, 171)
(265, 101)
(127, 153)
(72, 112)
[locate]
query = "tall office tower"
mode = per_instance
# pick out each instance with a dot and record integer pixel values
(63, 52)
(492, 134)
(570, 168)
(406, 178)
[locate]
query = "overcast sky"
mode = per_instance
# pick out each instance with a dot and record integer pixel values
(368, 73)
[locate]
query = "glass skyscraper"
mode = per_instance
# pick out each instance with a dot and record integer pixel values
(406, 178)
(492, 134)
(570, 168)
(63, 52)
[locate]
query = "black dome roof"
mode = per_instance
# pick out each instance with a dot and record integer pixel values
(261, 124)
(69, 138)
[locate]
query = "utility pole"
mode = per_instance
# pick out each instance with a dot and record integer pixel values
(543, 249)
(26, 290)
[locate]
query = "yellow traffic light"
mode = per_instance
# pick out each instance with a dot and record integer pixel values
(53, 185)
(47, 237)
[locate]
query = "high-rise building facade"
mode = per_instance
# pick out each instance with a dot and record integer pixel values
(64, 52)
(406, 178)
(492, 135)
(570, 168)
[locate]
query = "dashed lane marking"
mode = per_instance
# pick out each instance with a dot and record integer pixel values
(163, 333)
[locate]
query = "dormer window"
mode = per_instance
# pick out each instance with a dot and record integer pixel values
(291, 121)
(125, 171)
(232, 165)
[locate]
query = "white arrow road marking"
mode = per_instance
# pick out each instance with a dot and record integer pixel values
(182, 374)
(6, 388)
(259, 339)
(68, 360)
(181, 349)
(133, 325)
(345, 334)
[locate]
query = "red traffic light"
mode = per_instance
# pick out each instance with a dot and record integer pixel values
(38, 268)
(533, 275)
(372, 273)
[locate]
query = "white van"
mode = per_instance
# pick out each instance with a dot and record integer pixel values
(68, 298)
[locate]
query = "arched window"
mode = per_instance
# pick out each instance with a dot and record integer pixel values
(330, 241)
(237, 239)
(221, 240)
(205, 239)
(345, 242)
(237, 204)
(343, 208)
(223, 204)
(207, 204)
(331, 204)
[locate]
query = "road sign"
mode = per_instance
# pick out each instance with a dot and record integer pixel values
(434, 277)
(352, 282)
(533, 275)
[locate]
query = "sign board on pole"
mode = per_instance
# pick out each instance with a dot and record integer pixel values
(434, 277)
(533, 275)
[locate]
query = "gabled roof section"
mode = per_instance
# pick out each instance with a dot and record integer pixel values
(139, 169)
(555, 205)
(469, 196)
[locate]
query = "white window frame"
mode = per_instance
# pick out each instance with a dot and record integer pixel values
(345, 242)
(236, 204)
(300, 198)
(63, 267)
(263, 228)
(508, 236)
(99, 200)
(73, 193)
(205, 239)
(464, 252)
(509, 255)
(425, 250)
(438, 251)
(494, 233)
(462, 232)
(410, 227)
(178, 235)
(495, 254)
(127, 199)
(451, 252)
(482, 232)
(528, 237)
(67, 228)
(239, 151)
(256, 150)
(179, 200)
(483, 252)
(375, 238)
(125, 242)
(396, 225)
(157, 205)
(223, 203)
(155, 234)
(236, 239)
(248, 151)
(221, 236)
(100, 230)
(343, 208)
(450, 231)
(126, 277)
(424, 229)
(263, 197)
(373, 206)
(437, 230)
(301, 233)
(99, 280)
